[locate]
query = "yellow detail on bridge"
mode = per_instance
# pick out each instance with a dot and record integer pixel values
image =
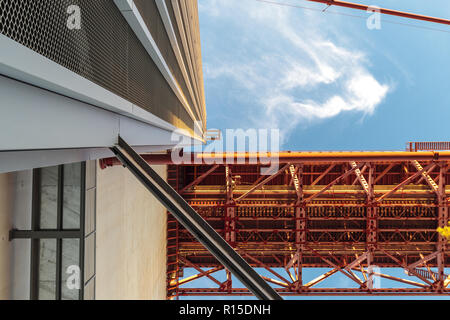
(445, 232)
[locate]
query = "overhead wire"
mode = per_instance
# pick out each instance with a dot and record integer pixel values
(327, 10)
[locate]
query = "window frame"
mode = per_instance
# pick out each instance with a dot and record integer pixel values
(58, 234)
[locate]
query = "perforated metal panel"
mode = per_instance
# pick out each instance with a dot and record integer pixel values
(177, 33)
(184, 51)
(150, 15)
(105, 50)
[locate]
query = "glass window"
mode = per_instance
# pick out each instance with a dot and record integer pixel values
(47, 269)
(49, 197)
(57, 234)
(72, 196)
(71, 273)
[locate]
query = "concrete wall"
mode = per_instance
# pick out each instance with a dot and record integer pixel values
(131, 238)
(15, 212)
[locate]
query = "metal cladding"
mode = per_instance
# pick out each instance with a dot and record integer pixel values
(348, 216)
(107, 52)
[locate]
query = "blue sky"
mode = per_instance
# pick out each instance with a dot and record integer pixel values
(325, 80)
(337, 280)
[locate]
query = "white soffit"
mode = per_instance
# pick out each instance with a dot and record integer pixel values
(21, 63)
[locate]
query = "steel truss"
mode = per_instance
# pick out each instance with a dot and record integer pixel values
(347, 216)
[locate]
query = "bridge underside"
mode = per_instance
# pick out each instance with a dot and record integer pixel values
(351, 218)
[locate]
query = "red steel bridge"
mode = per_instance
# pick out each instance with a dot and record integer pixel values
(344, 211)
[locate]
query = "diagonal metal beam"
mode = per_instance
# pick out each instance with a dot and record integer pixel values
(382, 174)
(410, 282)
(287, 282)
(290, 275)
(423, 260)
(296, 171)
(201, 272)
(405, 182)
(277, 282)
(349, 275)
(293, 170)
(361, 178)
(357, 261)
(343, 176)
(262, 183)
(293, 260)
(321, 278)
(356, 277)
(406, 267)
(197, 276)
(323, 175)
(432, 275)
(200, 178)
(261, 178)
(426, 176)
(362, 171)
(364, 273)
(386, 276)
(294, 263)
(422, 178)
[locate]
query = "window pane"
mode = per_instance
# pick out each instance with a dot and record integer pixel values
(47, 269)
(49, 198)
(71, 273)
(72, 196)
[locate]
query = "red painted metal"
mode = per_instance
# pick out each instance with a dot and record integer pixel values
(287, 157)
(174, 271)
(200, 179)
(314, 292)
(343, 229)
(383, 11)
(428, 146)
(261, 184)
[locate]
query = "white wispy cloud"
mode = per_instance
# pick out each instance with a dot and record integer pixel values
(291, 66)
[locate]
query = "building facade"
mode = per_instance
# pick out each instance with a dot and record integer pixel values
(74, 76)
